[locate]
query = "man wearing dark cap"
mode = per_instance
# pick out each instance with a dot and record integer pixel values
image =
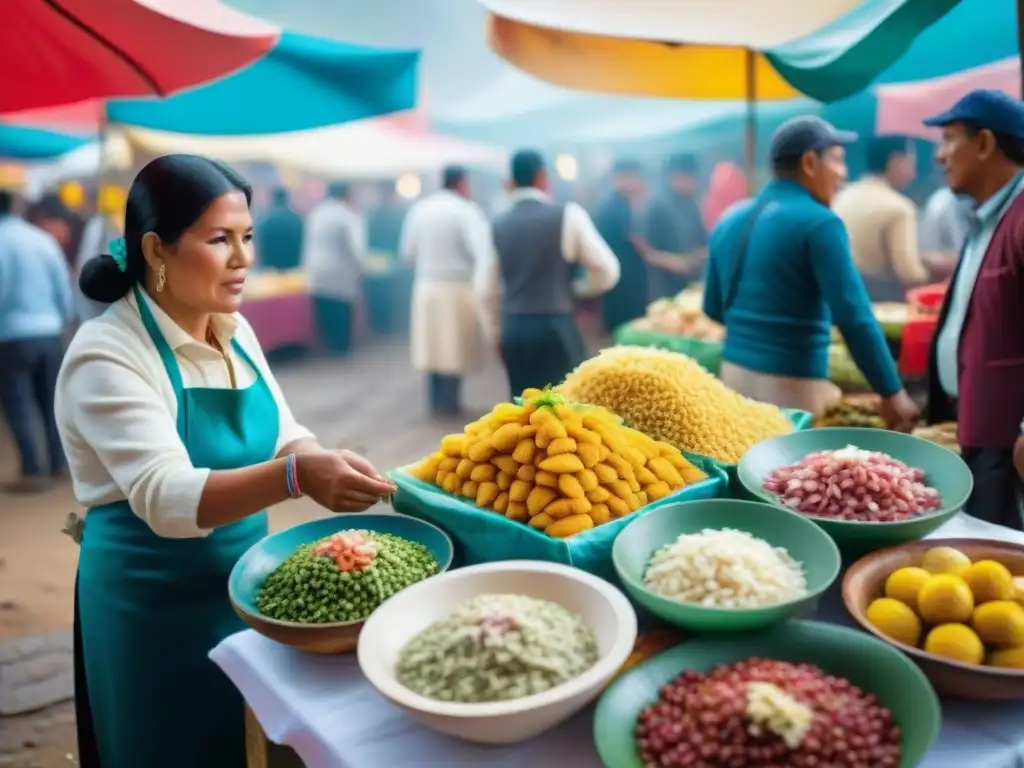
(675, 242)
(882, 222)
(780, 275)
(540, 245)
(618, 219)
(977, 363)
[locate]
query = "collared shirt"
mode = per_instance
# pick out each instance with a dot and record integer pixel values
(35, 285)
(333, 250)
(882, 225)
(117, 413)
(988, 216)
(581, 244)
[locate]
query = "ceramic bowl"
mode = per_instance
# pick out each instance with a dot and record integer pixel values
(865, 581)
(254, 566)
(605, 610)
(803, 540)
(869, 664)
(944, 471)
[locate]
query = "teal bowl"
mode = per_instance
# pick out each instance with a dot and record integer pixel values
(254, 566)
(804, 541)
(944, 471)
(873, 666)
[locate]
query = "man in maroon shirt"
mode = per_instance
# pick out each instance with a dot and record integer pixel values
(977, 358)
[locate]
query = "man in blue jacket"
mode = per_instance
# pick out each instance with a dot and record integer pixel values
(780, 274)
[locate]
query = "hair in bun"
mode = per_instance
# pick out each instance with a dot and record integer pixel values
(167, 197)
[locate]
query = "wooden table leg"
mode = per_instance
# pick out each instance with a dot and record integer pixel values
(255, 742)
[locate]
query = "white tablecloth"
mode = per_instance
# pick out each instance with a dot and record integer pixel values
(324, 709)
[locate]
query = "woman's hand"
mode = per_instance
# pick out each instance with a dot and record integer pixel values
(341, 481)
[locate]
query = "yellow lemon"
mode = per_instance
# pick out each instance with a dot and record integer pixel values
(1018, 589)
(957, 642)
(989, 581)
(945, 599)
(1000, 622)
(945, 560)
(905, 584)
(1008, 658)
(895, 620)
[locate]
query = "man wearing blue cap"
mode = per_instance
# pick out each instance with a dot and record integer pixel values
(977, 358)
(780, 274)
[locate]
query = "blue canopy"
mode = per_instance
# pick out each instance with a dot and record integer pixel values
(304, 82)
(25, 143)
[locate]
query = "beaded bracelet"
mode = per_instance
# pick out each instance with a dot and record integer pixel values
(291, 476)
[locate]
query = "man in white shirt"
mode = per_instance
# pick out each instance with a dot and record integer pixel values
(539, 246)
(447, 239)
(945, 223)
(333, 249)
(882, 221)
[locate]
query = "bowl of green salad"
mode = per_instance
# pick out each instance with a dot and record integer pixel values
(498, 653)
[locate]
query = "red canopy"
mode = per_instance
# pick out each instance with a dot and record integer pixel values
(63, 51)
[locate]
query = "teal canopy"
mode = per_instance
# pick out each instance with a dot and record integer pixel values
(304, 82)
(25, 143)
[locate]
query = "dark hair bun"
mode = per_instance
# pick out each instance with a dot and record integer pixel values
(103, 281)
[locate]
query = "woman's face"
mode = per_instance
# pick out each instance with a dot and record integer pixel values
(205, 270)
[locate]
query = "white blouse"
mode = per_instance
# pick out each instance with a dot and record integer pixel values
(117, 413)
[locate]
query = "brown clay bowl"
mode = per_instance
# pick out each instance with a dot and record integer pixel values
(865, 581)
(254, 566)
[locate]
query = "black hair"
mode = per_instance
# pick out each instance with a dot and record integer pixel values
(527, 165)
(168, 196)
(880, 150)
(683, 163)
(6, 201)
(1011, 146)
(281, 196)
(453, 175)
(338, 189)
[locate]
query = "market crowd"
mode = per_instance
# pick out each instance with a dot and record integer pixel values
(779, 270)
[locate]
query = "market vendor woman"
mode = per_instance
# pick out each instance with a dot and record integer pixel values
(178, 439)
(780, 274)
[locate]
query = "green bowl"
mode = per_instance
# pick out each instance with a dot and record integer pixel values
(944, 471)
(868, 663)
(805, 542)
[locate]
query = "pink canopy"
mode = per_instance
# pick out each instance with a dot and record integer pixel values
(902, 106)
(64, 51)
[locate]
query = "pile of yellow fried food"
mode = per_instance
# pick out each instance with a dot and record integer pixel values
(559, 467)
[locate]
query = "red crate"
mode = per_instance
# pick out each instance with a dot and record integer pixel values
(927, 300)
(916, 343)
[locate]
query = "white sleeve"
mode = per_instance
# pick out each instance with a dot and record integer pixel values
(289, 430)
(583, 244)
(127, 423)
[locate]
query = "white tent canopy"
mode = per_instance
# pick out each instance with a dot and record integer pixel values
(365, 149)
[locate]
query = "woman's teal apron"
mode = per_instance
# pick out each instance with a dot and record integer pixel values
(152, 608)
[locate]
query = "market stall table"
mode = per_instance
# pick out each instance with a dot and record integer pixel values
(323, 708)
(279, 310)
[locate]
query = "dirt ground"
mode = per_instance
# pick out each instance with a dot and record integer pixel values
(372, 402)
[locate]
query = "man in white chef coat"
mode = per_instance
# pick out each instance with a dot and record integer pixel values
(446, 238)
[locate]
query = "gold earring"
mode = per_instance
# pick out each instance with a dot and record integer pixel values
(161, 278)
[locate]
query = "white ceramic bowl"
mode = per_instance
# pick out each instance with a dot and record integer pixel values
(605, 610)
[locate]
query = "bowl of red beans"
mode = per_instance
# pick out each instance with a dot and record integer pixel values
(798, 695)
(867, 488)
